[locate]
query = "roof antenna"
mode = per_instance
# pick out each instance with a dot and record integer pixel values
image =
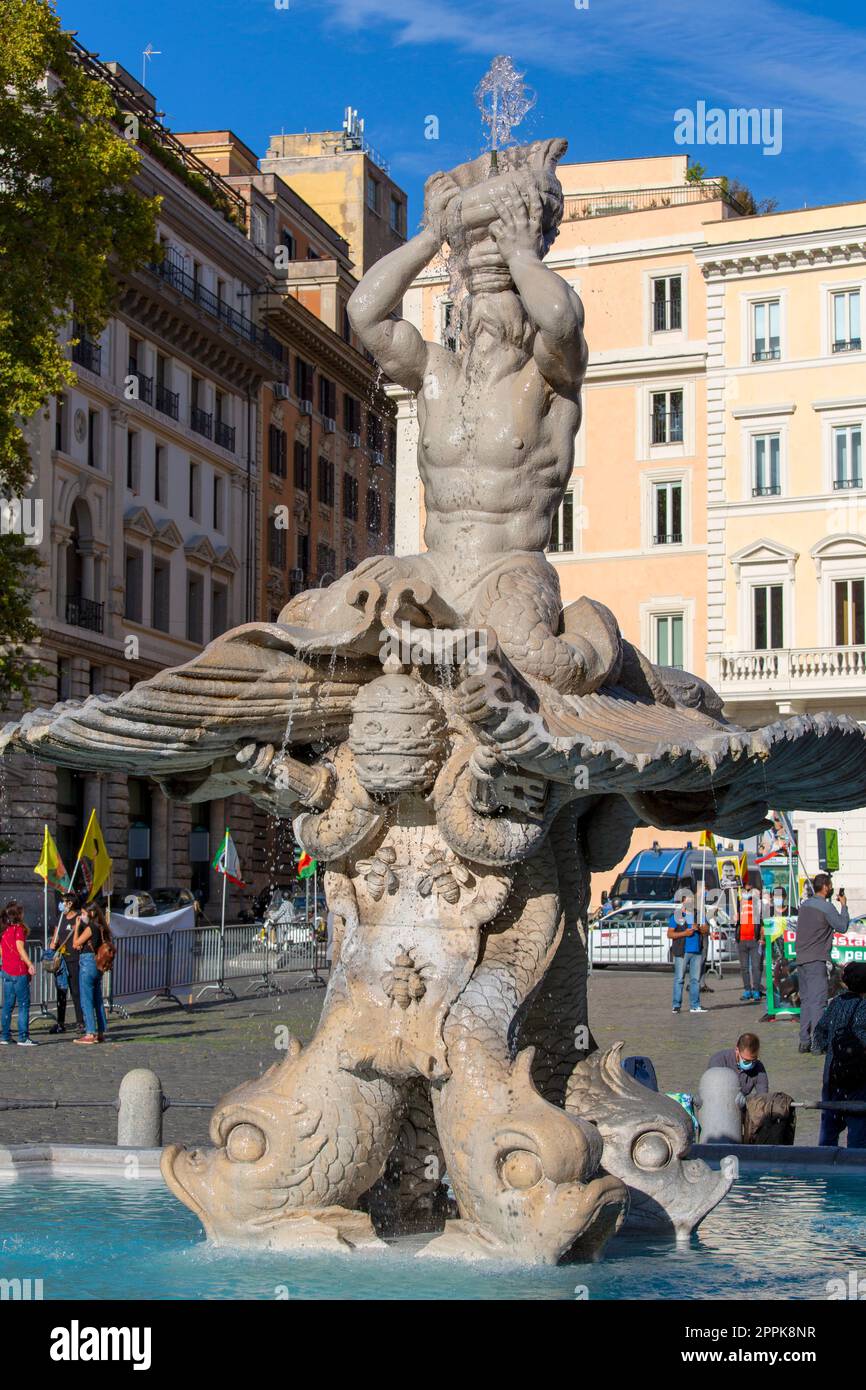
(147, 53)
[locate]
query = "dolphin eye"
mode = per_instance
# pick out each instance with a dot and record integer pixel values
(245, 1143)
(652, 1150)
(521, 1169)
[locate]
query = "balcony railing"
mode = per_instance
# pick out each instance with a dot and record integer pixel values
(86, 353)
(85, 612)
(167, 401)
(145, 384)
(791, 669)
(201, 422)
(667, 315)
(667, 427)
(580, 205)
(847, 345)
(674, 538)
(770, 490)
(192, 289)
(225, 435)
(771, 354)
(841, 484)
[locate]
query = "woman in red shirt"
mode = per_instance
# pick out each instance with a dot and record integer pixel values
(17, 969)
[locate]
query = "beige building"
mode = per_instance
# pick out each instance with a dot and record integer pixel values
(786, 508)
(338, 174)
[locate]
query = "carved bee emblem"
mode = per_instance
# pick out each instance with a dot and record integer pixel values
(444, 877)
(378, 874)
(404, 982)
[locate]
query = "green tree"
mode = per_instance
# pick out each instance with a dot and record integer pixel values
(70, 219)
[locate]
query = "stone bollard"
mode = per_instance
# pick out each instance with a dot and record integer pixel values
(721, 1108)
(139, 1110)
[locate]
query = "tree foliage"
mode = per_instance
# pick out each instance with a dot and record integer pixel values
(70, 218)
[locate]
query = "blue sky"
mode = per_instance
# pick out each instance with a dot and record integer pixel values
(609, 77)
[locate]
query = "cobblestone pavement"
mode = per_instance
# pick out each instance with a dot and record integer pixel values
(202, 1052)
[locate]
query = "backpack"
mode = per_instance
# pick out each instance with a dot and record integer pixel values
(105, 951)
(848, 1059)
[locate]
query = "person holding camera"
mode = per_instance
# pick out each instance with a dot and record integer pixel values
(817, 923)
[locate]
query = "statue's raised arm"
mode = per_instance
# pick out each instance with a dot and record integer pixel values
(396, 344)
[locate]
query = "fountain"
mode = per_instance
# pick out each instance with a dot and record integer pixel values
(476, 752)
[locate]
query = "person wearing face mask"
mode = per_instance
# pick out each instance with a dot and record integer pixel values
(743, 1059)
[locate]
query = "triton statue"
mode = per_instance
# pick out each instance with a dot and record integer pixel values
(459, 803)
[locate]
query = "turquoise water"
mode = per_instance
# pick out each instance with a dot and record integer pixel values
(776, 1236)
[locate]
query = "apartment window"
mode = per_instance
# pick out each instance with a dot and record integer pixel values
(374, 511)
(667, 417)
(93, 438)
(766, 480)
(277, 452)
(327, 398)
(194, 497)
(347, 326)
(312, 255)
(287, 240)
(846, 321)
(132, 585)
(375, 433)
(132, 461)
(668, 513)
(667, 307)
(219, 610)
(396, 215)
(350, 497)
(767, 617)
(849, 612)
(64, 678)
(450, 326)
(373, 193)
(161, 595)
(847, 457)
(351, 414)
(218, 488)
(160, 480)
(766, 342)
(303, 380)
(195, 609)
(302, 466)
(326, 562)
(303, 553)
(60, 423)
(276, 544)
(669, 639)
(562, 527)
(259, 227)
(96, 680)
(326, 482)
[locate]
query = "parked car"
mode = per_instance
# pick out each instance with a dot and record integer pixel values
(638, 935)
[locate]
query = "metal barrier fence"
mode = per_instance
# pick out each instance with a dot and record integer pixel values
(167, 965)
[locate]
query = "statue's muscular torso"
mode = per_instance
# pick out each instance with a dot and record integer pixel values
(495, 453)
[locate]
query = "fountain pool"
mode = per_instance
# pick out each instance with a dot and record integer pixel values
(777, 1236)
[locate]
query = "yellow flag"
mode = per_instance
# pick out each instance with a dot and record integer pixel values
(744, 869)
(51, 867)
(95, 859)
(707, 840)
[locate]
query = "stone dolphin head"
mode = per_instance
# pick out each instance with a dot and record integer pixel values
(647, 1138)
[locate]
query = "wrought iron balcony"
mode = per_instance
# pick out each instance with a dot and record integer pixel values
(771, 354)
(201, 422)
(841, 484)
(667, 315)
(667, 427)
(167, 401)
(193, 290)
(847, 345)
(86, 353)
(771, 490)
(145, 384)
(85, 612)
(225, 435)
(673, 538)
